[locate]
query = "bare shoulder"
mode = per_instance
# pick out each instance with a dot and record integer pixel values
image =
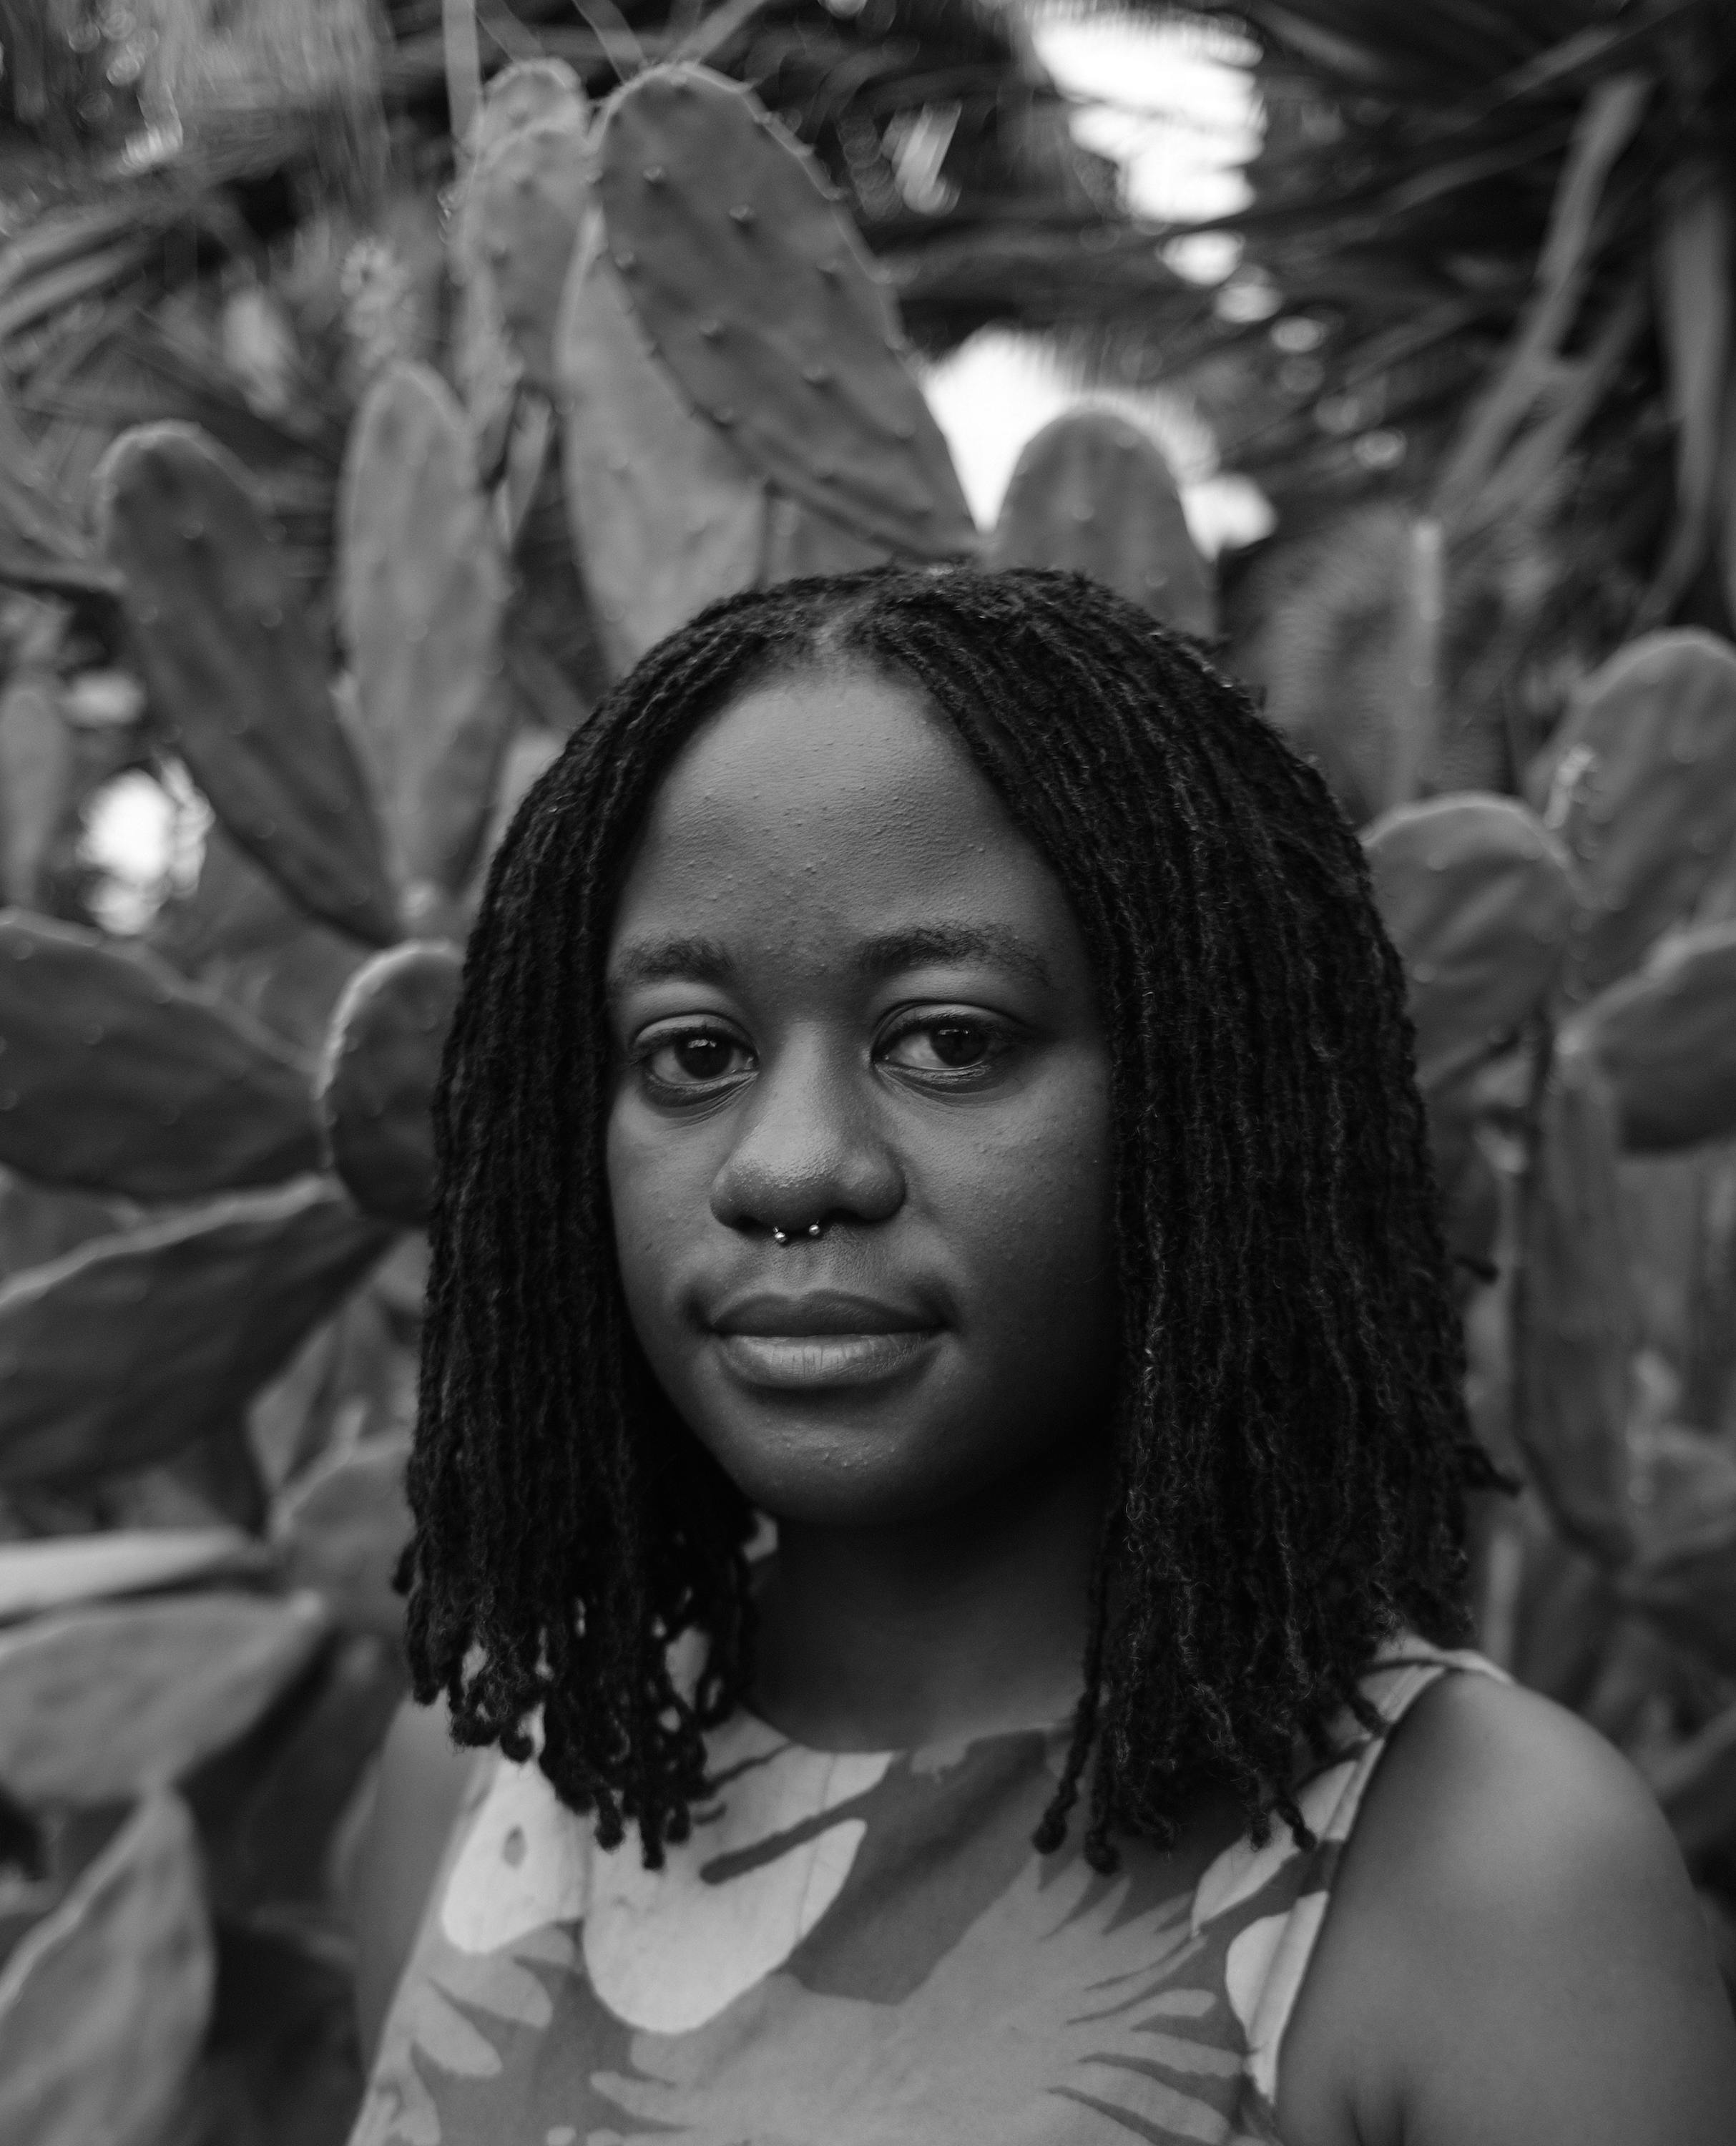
(1513, 1951)
(422, 1777)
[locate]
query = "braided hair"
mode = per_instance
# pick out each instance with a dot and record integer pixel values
(1289, 1441)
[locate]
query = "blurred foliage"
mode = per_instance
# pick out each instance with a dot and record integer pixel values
(1486, 271)
(313, 509)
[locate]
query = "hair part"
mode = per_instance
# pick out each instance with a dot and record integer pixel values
(1291, 1444)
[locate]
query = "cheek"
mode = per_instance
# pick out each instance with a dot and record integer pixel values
(1030, 1207)
(651, 1192)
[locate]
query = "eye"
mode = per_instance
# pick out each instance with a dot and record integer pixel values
(947, 1043)
(692, 1058)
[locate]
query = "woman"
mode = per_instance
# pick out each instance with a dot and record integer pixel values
(929, 1071)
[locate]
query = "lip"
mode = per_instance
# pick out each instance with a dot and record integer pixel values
(821, 1338)
(818, 1312)
(790, 1362)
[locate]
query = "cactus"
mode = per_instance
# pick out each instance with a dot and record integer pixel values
(36, 778)
(378, 1074)
(135, 1346)
(120, 1076)
(1686, 1582)
(341, 1531)
(421, 590)
(1092, 494)
(1479, 900)
(100, 1705)
(523, 95)
(236, 683)
(1666, 1040)
(1641, 781)
(1574, 1322)
(485, 364)
(750, 285)
(665, 517)
(525, 198)
(60, 1569)
(104, 2004)
(273, 1848)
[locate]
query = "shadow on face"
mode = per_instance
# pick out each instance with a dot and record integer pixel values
(859, 1148)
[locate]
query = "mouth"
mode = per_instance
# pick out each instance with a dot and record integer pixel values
(822, 1339)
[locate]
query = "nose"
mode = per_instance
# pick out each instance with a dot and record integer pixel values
(812, 1147)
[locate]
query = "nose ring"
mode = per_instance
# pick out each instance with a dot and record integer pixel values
(782, 1236)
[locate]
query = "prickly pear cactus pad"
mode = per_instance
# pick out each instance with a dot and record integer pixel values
(1479, 898)
(102, 1703)
(382, 1058)
(237, 683)
(1576, 1321)
(524, 202)
(665, 517)
(1641, 781)
(421, 590)
(134, 1346)
(1092, 495)
(520, 96)
(1666, 1040)
(119, 1076)
(106, 2002)
(753, 288)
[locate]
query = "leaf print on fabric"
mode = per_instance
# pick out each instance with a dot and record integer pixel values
(522, 1864)
(1263, 1972)
(977, 2056)
(668, 1949)
(1243, 1870)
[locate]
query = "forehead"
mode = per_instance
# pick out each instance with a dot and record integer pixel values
(834, 799)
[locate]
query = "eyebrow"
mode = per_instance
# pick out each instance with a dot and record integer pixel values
(667, 961)
(708, 961)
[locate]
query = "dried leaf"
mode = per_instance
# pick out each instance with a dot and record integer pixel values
(1607, 123)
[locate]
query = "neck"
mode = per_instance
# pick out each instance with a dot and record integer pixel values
(962, 1625)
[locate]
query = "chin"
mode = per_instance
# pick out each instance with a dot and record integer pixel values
(811, 1470)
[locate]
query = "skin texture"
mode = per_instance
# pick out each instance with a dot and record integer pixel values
(826, 906)
(1512, 1956)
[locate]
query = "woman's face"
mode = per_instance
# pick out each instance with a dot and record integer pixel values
(846, 992)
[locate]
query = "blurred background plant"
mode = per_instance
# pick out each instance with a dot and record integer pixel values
(341, 470)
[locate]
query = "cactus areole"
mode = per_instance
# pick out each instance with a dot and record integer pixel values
(751, 287)
(238, 685)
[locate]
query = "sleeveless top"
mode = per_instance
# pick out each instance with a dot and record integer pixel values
(862, 1949)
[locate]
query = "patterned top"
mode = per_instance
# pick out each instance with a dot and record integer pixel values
(861, 1949)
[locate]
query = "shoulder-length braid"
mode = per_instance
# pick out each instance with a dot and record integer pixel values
(1291, 1439)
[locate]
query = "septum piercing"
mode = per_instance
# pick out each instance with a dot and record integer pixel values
(782, 1236)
